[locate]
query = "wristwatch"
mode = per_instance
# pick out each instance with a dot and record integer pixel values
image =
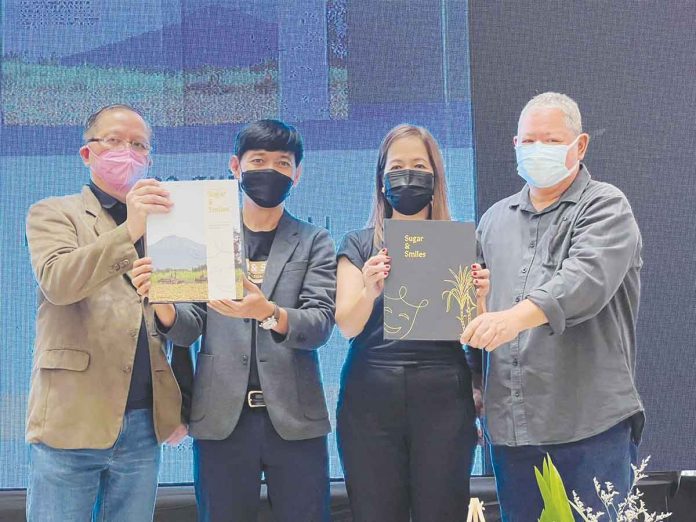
(271, 322)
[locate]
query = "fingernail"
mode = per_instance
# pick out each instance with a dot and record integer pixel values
(475, 274)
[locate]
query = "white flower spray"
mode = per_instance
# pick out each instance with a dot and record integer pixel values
(632, 509)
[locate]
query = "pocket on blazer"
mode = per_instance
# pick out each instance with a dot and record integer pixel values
(293, 266)
(203, 385)
(63, 359)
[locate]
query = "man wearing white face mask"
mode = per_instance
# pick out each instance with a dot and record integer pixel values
(103, 396)
(564, 256)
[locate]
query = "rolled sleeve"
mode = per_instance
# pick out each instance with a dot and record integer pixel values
(551, 308)
(605, 244)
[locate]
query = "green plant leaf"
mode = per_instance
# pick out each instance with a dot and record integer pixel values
(556, 504)
(544, 490)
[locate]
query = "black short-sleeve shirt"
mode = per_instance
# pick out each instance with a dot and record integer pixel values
(140, 390)
(258, 247)
(358, 246)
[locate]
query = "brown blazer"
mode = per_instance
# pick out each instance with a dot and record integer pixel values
(87, 327)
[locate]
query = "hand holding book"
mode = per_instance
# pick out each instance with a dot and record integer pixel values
(482, 282)
(141, 277)
(147, 196)
(254, 305)
(374, 272)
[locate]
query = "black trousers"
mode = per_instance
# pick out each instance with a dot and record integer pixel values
(406, 437)
(227, 474)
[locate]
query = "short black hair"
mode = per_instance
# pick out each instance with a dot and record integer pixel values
(271, 135)
(93, 118)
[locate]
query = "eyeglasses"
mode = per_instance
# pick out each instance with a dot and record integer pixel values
(111, 142)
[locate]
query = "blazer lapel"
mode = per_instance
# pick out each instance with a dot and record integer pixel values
(103, 222)
(284, 244)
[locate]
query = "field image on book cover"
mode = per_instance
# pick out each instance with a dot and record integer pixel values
(196, 248)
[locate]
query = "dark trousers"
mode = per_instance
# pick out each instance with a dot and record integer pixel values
(406, 437)
(607, 457)
(227, 474)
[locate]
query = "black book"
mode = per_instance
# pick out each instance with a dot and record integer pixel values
(429, 294)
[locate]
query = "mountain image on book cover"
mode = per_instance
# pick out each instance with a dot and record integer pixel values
(181, 270)
(196, 246)
(430, 293)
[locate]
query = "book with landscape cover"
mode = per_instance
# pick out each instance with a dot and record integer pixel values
(429, 294)
(196, 248)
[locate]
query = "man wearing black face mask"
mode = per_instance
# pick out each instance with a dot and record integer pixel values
(258, 403)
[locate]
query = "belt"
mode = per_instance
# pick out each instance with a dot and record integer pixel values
(255, 399)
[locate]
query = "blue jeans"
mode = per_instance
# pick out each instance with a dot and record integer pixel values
(118, 484)
(607, 456)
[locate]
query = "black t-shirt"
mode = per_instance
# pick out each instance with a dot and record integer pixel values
(140, 391)
(369, 345)
(258, 247)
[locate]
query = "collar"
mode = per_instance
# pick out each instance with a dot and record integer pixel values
(107, 201)
(571, 195)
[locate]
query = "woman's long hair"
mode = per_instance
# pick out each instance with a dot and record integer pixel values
(381, 207)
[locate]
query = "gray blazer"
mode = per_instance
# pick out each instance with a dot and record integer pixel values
(301, 278)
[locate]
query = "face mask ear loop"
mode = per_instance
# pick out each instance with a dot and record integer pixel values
(577, 165)
(388, 210)
(432, 201)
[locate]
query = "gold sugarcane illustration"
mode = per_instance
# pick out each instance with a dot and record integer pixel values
(461, 292)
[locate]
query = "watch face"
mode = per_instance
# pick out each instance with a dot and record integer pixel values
(269, 323)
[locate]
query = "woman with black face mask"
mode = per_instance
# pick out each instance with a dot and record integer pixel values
(406, 420)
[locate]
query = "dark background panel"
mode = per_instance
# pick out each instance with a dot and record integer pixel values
(407, 34)
(631, 66)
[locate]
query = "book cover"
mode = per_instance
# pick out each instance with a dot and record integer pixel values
(429, 294)
(196, 248)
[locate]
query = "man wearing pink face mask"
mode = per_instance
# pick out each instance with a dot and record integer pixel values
(103, 396)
